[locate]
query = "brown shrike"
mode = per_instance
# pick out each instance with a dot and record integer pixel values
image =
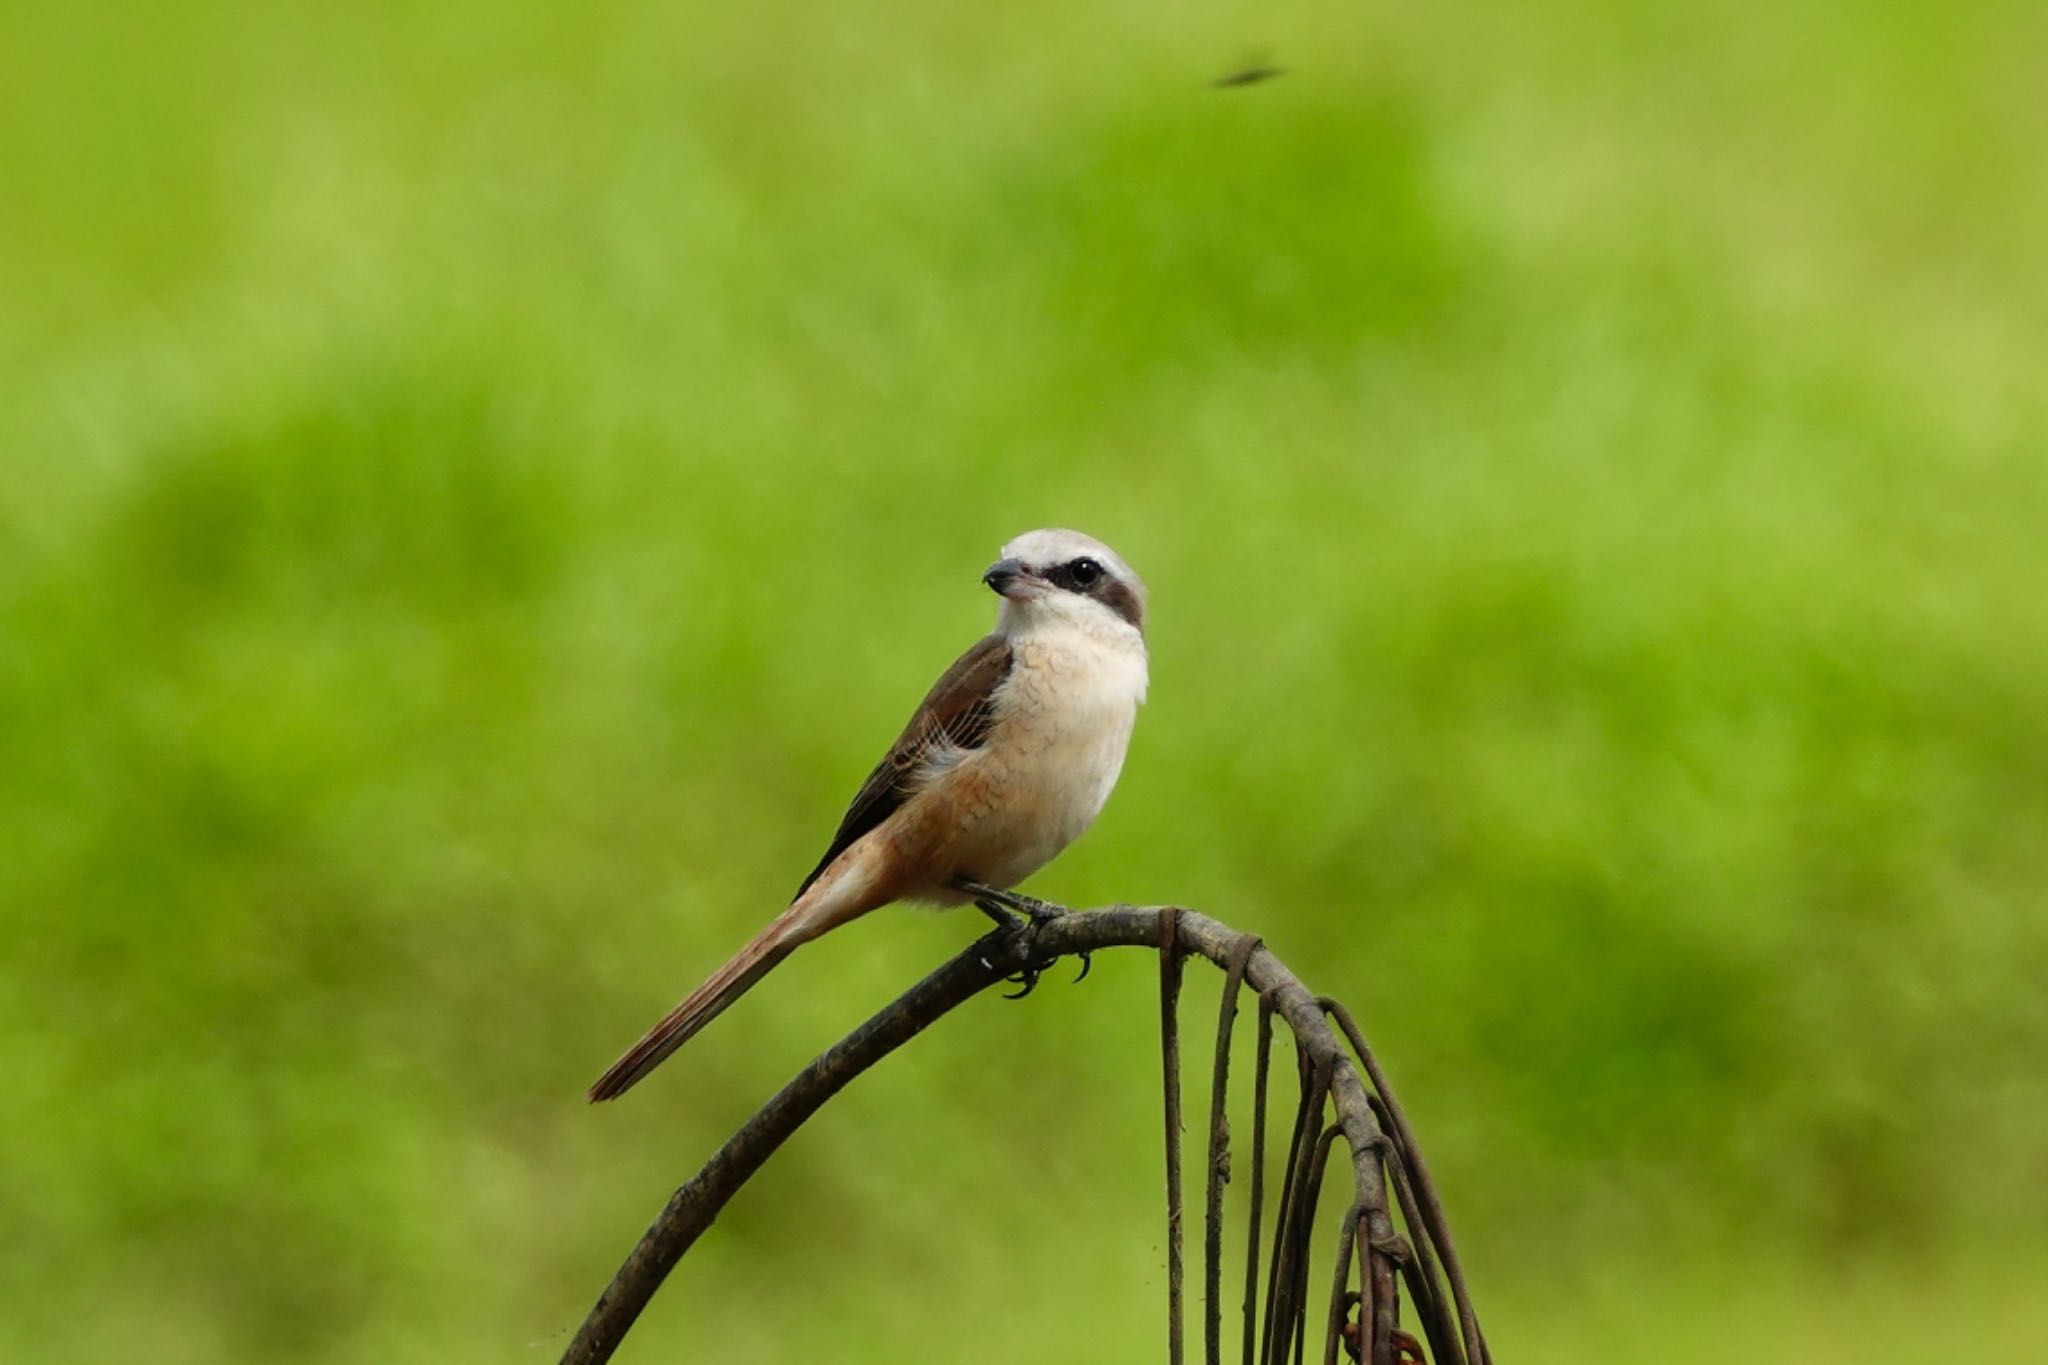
(1010, 757)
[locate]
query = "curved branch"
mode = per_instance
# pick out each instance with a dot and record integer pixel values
(982, 964)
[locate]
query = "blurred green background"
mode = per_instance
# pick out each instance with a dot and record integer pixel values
(1588, 460)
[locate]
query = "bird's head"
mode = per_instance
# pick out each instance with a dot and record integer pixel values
(1051, 577)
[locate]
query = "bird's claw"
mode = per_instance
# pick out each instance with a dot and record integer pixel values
(1027, 982)
(1027, 977)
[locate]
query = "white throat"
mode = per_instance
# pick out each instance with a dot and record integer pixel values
(1078, 621)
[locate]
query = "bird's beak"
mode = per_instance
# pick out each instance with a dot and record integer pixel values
(1007, 578)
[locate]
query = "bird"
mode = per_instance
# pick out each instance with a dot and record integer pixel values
(1010, 757)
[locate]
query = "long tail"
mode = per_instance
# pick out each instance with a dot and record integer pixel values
(781, 938)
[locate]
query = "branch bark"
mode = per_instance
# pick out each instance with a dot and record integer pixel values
(984, 963)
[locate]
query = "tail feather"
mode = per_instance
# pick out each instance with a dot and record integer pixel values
(706, 1003)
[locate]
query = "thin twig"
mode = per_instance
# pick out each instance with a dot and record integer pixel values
(1219, 1156)
(1340, 1302)
(1364, 1261)
(1251, 1255)
(1299, 1237)
(1303, 1180)
(1169, 1054)
(1280, 1273)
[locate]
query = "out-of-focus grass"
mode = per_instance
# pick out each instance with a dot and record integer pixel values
(485, 480)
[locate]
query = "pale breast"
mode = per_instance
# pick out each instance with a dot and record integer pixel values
(1063, 724)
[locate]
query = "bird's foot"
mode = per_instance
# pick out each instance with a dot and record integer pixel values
(999, 906)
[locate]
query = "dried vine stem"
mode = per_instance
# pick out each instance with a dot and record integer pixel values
(1218, 1166)
(1169, 1056)
(1329, 1078)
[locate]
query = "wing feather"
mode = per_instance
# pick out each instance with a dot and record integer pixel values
(955, 714)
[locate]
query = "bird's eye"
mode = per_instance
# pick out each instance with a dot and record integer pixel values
(1084, 572)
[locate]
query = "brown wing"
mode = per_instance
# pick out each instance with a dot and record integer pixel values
(957, 711)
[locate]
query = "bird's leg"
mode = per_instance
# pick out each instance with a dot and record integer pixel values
(993, 901)
(997, 904)
(1002, 918)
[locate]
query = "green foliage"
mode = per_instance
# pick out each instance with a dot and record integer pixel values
(1586, 460)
